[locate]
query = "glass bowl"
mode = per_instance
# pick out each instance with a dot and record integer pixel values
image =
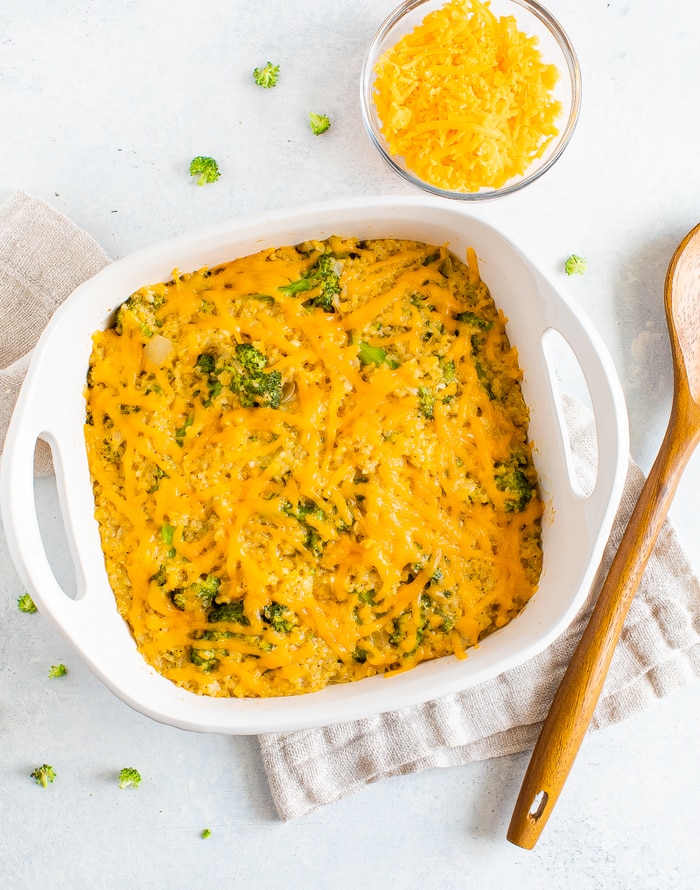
(554, 47)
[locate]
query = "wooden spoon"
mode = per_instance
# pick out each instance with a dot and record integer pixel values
(577, 696)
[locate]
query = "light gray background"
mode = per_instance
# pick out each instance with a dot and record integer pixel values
(102, 105)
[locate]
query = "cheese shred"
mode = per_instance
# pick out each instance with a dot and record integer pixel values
(466, 98)
(311, 465)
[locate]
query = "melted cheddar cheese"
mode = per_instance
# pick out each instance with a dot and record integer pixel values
(311, 465)
(466, 98)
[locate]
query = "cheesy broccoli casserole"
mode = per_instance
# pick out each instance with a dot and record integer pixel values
(312, 465)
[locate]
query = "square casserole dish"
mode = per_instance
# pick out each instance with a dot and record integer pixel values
(51, 406)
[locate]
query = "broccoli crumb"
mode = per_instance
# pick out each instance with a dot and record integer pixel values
(267, 76)
(205, 168)
(575, 265)
(206, 832)
(43, 775)
(26, 604)
(57, 670)
(319, 123)
(129, 776)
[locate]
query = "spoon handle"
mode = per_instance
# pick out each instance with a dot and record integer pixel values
(573, 706)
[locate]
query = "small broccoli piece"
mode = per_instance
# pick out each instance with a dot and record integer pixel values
(182, 431)
(296, 287)
(367, 597)
(448, 371)
(575, 265)
(57, 670)
(474, 320)
(375, 355)
(129, 777)
(43, 775)
(26, 604)
(204, 658)
(426, 403)
(205, 168)
(360, 655)
(484, 380)
(268, 76)
(514, 482)
(231, 612)
(319, 123)
(205, 833)
(206, 363)
(312, 539)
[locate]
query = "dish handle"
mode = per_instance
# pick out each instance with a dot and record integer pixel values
(599, 504)
(36, 417)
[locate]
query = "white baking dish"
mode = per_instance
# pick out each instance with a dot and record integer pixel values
(51, 406)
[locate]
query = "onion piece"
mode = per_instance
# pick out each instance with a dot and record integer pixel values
(158, 349)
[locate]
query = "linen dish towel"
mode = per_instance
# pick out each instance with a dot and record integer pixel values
(44, 256)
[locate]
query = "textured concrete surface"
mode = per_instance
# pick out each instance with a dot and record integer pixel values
(102, 105)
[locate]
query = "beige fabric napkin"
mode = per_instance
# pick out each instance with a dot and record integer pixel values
(43, 256)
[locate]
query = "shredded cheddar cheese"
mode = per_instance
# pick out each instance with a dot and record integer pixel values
(318, 471)
(466, 98)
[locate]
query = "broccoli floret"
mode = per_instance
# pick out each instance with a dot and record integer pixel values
(514, 482)
(139, 312)
(575, 265)
(253, 386)
(199, 595)
(57, 670)
(252, 360)
(426, 403)
(448, 371)
(26, 604)
(205, 168)
(231, 612)
(268, 76)
(273, 614)
(327, 278)
(323, 275)
(43, 775)
(474, 320)
(254, 390)
(206, 363)
(205, 833)
(129, 777)
(319, 123)
(360, 655)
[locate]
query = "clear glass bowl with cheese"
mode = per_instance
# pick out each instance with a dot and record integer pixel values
(468, 99)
